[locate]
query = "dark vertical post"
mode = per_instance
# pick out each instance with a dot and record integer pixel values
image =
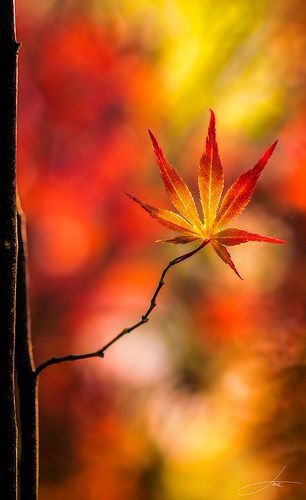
(27, 381)
(8, 251)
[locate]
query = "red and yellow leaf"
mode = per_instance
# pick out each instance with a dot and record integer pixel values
(166, 217)
(176, 188)
(233, 236)
(210, 176)
(241, 191)
(222, 252)
(216, 215)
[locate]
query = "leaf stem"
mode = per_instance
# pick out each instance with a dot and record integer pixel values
(144, 319)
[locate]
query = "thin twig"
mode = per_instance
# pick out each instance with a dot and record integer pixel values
(144, 319)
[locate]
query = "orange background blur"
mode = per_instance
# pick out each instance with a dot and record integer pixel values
(210, 394)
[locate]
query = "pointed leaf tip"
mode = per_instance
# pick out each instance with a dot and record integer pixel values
(153, 140)
(233, 236)
(166, 218)
(212, 115)
(178, 192)
(211, 136)
(210, 175)
(241, 191)
(224, 255)
(273, 146)
(265, 157)
(128, 194)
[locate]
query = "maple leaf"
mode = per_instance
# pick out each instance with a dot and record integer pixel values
(217, 213)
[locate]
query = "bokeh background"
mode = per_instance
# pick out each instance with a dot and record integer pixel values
(210, 394)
